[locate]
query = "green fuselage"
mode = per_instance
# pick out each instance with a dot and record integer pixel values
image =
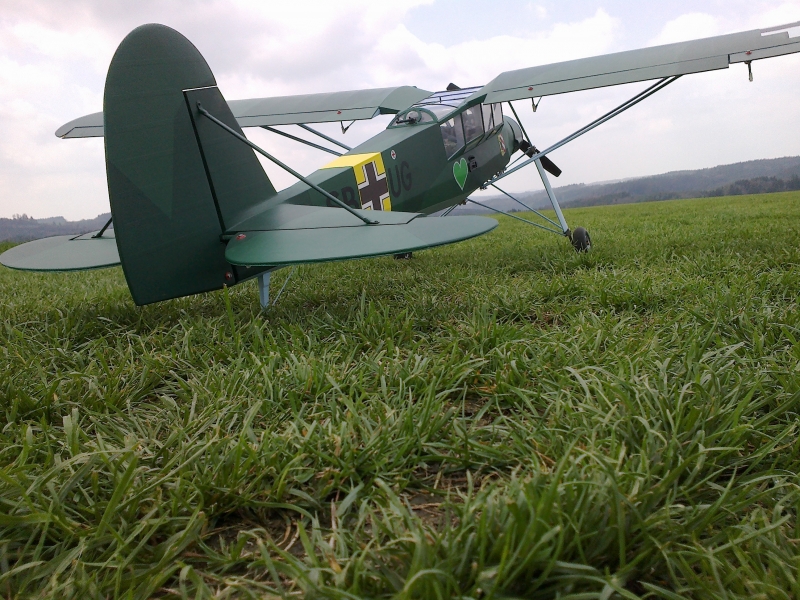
(419, 176)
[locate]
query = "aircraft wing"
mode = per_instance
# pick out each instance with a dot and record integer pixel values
(641, 65)
(288, 110)
(322, 108)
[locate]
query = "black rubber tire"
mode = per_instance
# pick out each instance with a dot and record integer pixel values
(581, 240)
(404, 256)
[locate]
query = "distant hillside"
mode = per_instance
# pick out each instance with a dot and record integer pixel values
(752, 177)
(759, 185)
(22, 228)
(756, 176)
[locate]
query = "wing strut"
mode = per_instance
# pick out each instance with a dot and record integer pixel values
(286, 168)
(301, 140)
(502, 212)
(548, 164)
(519, 121)
(537, 157)
(100, 233)
(534, 211)
(324, 137)
(656, 87)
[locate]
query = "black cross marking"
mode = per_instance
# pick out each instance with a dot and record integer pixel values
(375, 189)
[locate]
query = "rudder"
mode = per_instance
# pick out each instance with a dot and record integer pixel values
(174, 188)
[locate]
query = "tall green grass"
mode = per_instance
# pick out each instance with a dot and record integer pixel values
(501, 418)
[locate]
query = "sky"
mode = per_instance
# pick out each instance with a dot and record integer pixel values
(54, 57)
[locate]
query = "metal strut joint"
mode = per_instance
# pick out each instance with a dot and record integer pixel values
(100, 233)
(287, 168)
(324, 137)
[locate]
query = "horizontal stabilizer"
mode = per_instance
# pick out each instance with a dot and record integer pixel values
(64, 253)
(296, 246)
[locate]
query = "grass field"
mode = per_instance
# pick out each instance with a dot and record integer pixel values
(501, 418)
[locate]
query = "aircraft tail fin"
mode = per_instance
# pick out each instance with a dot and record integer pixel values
(175, 182)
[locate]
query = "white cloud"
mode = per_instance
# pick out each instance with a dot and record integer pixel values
(687, 27)
(52, 70)
(538, 10)
(53, 60)
(782, 14)
(85, 45)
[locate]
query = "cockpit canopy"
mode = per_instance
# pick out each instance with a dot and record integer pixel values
(459, 126)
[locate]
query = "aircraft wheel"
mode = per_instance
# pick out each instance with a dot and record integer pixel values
(581, 240)
(404, 256)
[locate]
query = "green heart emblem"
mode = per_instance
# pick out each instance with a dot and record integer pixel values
(460, 172)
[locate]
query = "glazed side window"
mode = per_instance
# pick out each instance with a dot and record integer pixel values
(473, 123)
(497, 110)
(488, 122)
(452, 135)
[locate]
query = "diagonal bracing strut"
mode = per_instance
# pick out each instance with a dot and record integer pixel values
(534, 211)
(502, 212)
(100, 233)
(301, 140)
(287, 168)
(656, 87)
(324, 137)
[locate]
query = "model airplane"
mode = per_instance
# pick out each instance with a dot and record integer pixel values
(193, 210)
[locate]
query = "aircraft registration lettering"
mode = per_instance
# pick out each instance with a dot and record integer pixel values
(373, 187)
(401, 180)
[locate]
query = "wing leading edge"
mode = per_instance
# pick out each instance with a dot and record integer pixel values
(683, 58)
(288, 110)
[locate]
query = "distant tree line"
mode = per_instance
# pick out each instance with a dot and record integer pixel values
(757, 185)
(21, 228)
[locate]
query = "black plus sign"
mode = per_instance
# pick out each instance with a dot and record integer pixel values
(374, 189)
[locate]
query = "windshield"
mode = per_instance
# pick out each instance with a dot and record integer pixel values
(441, 110)
(436, 107)
(414, 116)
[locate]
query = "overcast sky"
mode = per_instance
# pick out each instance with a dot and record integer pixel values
(54, 57)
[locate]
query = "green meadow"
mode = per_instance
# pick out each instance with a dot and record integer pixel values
(500, 418)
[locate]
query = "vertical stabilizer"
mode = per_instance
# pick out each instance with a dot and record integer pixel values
(174, 187)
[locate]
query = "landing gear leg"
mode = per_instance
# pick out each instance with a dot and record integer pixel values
(580, 237)
(263, 289)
